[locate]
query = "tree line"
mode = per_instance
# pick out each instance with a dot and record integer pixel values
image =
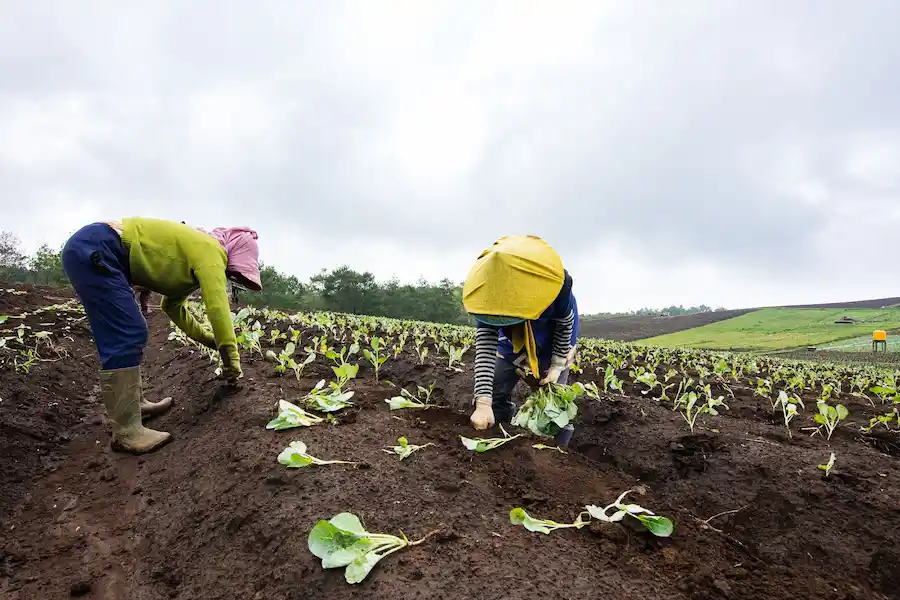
(342, 289)
(669, 311)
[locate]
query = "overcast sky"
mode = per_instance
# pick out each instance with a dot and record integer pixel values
(730, 153)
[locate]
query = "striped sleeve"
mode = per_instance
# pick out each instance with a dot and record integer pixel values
(485, 359)
(562, 335)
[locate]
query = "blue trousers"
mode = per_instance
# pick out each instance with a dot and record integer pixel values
(96, 262)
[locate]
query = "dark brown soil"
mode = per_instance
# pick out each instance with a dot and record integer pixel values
(213, 515)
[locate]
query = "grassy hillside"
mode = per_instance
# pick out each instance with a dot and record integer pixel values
(782, 328)
(628, 329)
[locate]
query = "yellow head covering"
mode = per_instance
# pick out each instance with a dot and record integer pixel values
(519, 276)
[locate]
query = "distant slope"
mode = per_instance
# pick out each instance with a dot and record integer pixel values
(781, 328)
(877, 303)
(628, 329)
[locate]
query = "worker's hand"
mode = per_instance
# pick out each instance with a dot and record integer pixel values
(231, 368)
(483, 417)
(557, 366)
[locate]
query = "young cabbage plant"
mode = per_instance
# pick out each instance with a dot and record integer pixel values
(330, 400)
(641, 375)
(518, 516)
(291, 415)
(886, 420)
(342, 358)
(482, 445)
(886, 391)
(788, 405)
(342, 541)
(375, 356)
(611, 382)
(655, 524)
(546, 447)
(454, 356)
(828, 466)
(407, 400)
(829, 417)
(421, 352)
(345, 373)
(549, 409)
(404, 449)
(296, 457)
(299, 366)
(283, 360)
(691, 409)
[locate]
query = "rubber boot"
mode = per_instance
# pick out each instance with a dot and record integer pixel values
(154, 409)
(121, 391)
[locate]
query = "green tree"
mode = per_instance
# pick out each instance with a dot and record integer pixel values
(46, 267)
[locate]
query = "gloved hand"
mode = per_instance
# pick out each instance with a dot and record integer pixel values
(231, 367)
(483, 417)
(557, 366)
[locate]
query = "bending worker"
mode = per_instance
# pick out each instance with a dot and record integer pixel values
(104, 260)
(527, 322)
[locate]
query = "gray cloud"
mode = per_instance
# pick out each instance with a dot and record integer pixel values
(761, 140)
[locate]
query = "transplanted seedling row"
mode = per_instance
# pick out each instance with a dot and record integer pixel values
(698, 385)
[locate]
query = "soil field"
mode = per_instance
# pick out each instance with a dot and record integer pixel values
(213, 515)
(629, 329)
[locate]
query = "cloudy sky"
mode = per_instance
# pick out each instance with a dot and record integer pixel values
(730, 153)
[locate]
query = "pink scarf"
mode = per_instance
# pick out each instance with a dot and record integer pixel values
(242, 250)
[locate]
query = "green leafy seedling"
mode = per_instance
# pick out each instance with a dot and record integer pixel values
(404, 449)
(546, 447)
(342, 541)
(829, 417)
(482, 445)
(655, 524)
(549, 409)
(296, 457)
(331, 400)
(291, 415)
(828, 466)
(518, 516)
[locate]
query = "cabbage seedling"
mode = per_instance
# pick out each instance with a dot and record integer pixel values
(328, 401)
(655, 524)
(788, 408)
(345, 373)
(886, 420)
(518, 516)
(828, 466)
(407, 400)
(374, 355)
(829, 416)
(546, 447)
(296, 457)
(611, 382)
(298, 367)
(342, 541)
(291, 415)
(549, 409)
(454, 356)
(690, 411)
(404, 449)
(283, 359)
(482, 445)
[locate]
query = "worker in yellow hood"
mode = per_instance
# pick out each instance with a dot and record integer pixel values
(527, 320)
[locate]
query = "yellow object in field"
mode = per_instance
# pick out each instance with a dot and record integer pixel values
(879, 336)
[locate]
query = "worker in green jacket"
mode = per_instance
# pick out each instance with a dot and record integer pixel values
(104, 260)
